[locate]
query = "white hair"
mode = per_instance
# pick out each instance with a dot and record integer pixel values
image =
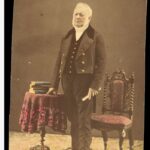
(85, 6)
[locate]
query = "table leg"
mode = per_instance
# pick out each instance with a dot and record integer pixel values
(42, 134)
(42, 146)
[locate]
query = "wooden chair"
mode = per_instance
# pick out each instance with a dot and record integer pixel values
(117, 110)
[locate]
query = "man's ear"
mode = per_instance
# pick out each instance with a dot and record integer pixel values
(89, 18)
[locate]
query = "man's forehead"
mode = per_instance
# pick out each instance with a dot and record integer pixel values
(81, 10)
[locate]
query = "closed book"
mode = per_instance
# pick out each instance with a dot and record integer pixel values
(39, 86)
(35, 92)
(40, 83)
(38, 91)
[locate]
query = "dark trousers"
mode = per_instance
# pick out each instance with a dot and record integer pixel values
(75, 87)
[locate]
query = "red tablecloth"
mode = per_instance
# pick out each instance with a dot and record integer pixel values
(40, 110)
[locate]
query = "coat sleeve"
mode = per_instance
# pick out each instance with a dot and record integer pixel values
(100, 61)
(55, 79)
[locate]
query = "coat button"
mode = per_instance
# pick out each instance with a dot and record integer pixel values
(83, 54)
(63, 54)
(59, 71)
(61, 62)
(83, 70)
(83, 62)
(70, 72)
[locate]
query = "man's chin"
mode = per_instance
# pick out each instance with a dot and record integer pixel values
(79, 26)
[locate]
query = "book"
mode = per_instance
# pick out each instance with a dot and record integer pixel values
(39, 83)
(38, 91)
(39, 86)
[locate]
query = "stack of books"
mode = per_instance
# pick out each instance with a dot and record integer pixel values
(39, 87)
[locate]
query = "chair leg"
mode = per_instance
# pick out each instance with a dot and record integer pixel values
(121, 139)
(105, 139)
(131, 141)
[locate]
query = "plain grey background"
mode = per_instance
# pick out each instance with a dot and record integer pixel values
(37, 30)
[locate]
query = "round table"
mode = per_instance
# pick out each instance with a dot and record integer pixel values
(40, 110)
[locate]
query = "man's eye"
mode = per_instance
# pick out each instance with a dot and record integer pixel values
(81, 15)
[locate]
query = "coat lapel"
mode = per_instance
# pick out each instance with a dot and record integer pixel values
(66, 44)
(84, 45)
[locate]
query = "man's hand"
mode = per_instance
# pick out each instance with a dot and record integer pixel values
(91, 93)
(51, 91)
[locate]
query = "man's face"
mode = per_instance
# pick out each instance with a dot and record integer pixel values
(80, 16)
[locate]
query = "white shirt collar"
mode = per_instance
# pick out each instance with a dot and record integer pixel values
(79, 31)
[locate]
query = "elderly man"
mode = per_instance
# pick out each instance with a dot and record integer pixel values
(80, 67)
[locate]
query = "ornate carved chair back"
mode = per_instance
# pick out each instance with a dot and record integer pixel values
(118, 94)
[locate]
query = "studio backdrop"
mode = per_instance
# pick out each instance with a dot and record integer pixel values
(38, 27)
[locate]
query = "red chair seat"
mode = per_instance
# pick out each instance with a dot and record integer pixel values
(111, 121)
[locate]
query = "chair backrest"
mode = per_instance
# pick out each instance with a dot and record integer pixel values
(118, 93)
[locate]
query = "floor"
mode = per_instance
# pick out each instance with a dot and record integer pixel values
(23, 141)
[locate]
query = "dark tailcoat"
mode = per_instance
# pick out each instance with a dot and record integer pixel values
(91, 50)
(89, 64)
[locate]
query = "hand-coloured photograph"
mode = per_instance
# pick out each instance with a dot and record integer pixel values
(77, 75)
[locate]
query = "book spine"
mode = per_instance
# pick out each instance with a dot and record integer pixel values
(39, 86)
(39, 83)
(37, 92)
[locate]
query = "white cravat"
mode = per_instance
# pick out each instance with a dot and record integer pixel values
(79, 31)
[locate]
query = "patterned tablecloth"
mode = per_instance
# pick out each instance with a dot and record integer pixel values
(40, 110)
